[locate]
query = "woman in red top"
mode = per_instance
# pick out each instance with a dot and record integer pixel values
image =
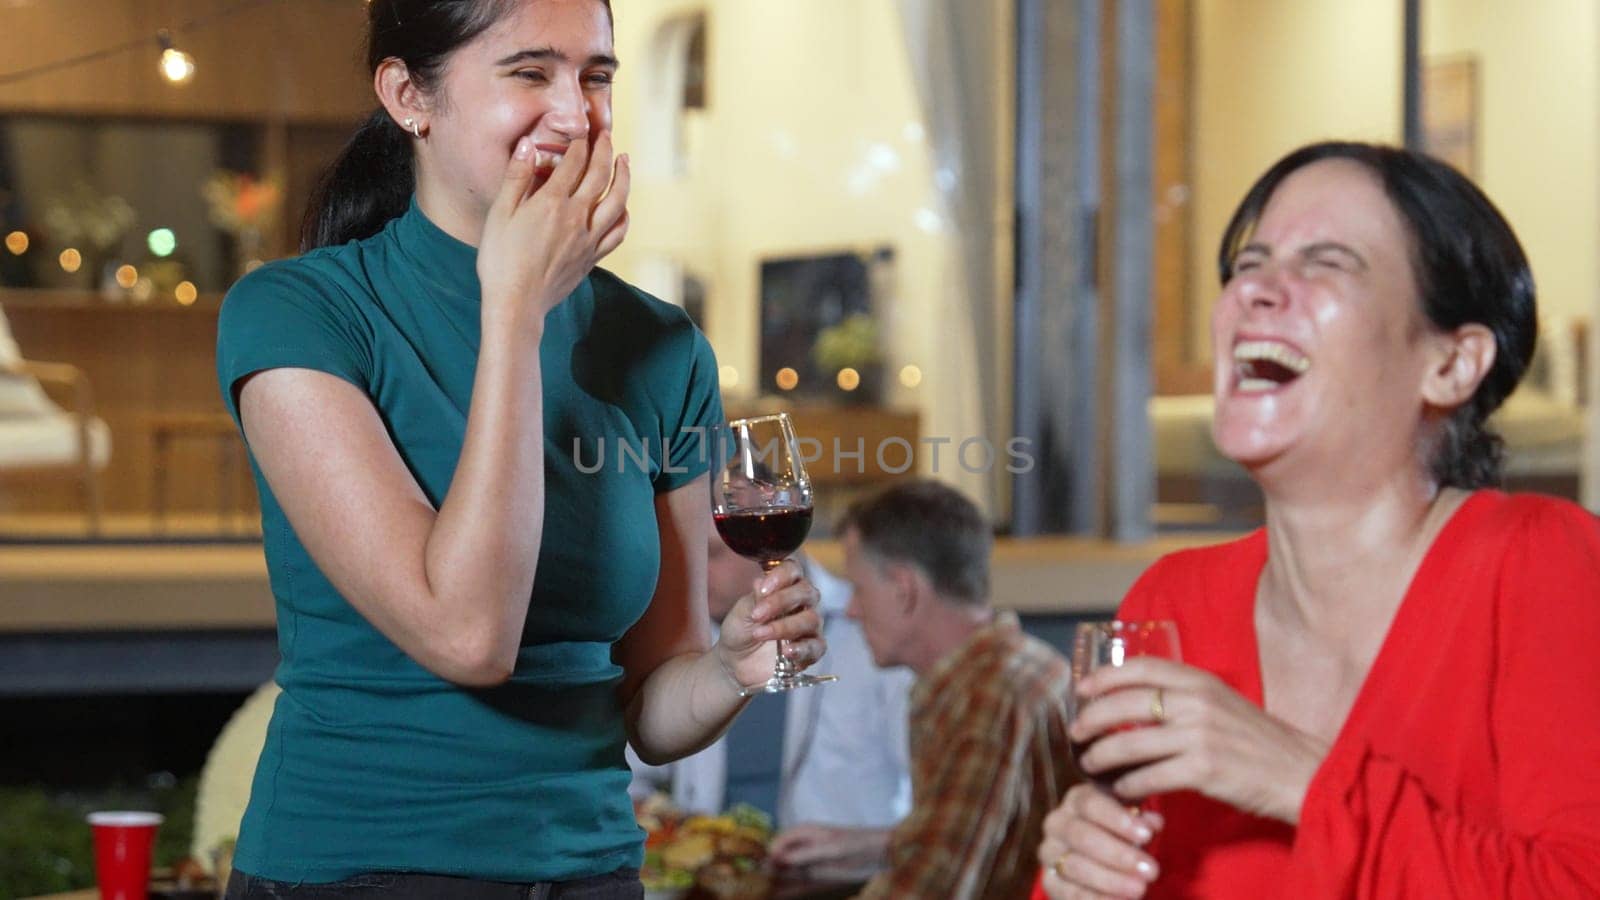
(1391, 690)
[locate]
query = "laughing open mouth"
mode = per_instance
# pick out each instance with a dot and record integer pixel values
(1267, 365)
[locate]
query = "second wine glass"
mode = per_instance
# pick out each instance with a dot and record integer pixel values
(1096, 645)
(761, 505)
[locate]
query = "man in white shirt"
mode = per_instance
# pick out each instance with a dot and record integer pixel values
(845, 761)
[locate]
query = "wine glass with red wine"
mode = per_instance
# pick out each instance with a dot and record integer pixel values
(1099, 644)
(761, 504)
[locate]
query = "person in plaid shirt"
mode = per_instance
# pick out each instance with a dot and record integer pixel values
(989, 754)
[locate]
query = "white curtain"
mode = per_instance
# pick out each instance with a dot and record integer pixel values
(955, 49)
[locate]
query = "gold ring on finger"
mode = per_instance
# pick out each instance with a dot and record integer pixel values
(1060, 865)
(1158, 710)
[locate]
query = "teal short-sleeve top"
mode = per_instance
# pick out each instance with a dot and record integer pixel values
(372, 763)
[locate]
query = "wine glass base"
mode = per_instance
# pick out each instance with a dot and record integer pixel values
(778, 683)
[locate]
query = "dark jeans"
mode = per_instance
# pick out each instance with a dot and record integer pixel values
(622, 884)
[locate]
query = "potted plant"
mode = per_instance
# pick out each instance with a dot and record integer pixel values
(847, 355)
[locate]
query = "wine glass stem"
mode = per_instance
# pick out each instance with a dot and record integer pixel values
(783, 666)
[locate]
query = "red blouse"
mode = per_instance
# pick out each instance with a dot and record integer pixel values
(1469, 765)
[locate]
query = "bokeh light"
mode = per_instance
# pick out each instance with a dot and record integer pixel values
(176, 65)
(162, 242)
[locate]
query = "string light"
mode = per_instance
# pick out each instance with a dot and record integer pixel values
(787, 379)
(728, 377)
(849, 379)
(183, 63)
(17, 242)
(185, 292)
(910, 376)
(127, 276)
(71, 260)
(176, 65)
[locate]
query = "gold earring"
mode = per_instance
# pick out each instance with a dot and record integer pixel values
(411, 123)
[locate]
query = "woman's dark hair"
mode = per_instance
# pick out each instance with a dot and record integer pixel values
(372, 179)
(1469, 268)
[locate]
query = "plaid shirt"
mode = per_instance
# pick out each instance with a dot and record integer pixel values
(989, 760)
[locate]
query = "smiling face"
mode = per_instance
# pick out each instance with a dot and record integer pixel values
(545, 69)
(1320, 342)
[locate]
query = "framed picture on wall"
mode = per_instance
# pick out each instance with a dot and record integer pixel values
(819, 318)
(1450, 111)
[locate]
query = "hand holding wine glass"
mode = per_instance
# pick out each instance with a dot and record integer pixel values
(1101, 644)
(1161, 726)
(761, 503)
(1093, 842)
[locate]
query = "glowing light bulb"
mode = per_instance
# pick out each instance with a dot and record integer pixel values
(910, 376)
(787, 379)
(728, 377)
(17, 243)
(176, 65)
(849, 379)
(70, 260)
(186, 292)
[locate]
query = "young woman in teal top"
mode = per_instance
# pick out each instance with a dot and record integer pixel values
(473, 618)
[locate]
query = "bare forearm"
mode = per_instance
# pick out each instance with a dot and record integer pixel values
(483, 549)
(685, 704)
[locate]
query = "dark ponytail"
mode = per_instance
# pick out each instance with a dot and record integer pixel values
(372, 180)
(369, 184)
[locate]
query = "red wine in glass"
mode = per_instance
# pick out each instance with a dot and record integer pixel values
(764, 535)
(761, 505)
(1096, 645)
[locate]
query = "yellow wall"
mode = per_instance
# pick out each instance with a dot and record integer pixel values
(1538, 130)
(812, 142)
(1269, 76)
(802, 98)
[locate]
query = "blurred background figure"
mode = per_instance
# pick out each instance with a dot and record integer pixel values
(988, 713)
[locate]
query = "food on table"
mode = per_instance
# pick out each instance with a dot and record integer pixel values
(726, 855)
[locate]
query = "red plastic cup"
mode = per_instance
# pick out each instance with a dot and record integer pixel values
(122, 842)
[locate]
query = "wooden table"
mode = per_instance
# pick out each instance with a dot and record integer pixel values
(801, 889)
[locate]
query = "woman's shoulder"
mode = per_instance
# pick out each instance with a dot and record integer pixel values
(1216, 573)
(1238, 559)
(1498, 519)
(324, 274)
(313, 311)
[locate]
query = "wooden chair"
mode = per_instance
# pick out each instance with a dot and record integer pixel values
(38, 436)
